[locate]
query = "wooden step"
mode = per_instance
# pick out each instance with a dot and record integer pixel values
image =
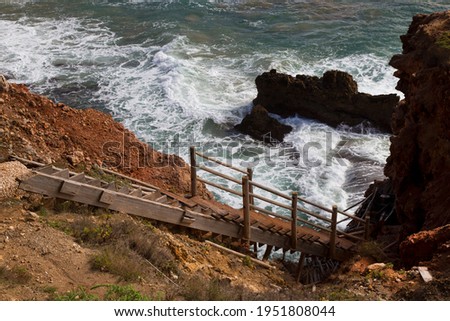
(111, 187)
(81, 177)
(174, 203)
(136, 192)
(152, 196)
(64, 173)
(162, 199)
(48, 169)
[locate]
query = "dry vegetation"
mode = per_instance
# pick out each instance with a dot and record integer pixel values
(59, 250)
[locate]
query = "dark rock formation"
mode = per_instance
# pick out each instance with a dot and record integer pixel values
(419, 164)
(421, 246)
(333, 99)
(259, 125)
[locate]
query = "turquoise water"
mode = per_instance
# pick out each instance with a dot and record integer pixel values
(182, 72)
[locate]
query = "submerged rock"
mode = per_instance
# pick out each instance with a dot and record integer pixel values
(259, 125)
(333, 99)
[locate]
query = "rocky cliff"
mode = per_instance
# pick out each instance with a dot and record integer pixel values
(419, 164)
(34, 127)
(333, 99)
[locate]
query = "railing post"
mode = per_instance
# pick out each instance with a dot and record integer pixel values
(193, 172)
(250, 187)
(333, 232)
(246, 207)
(294, 220)
(367, 227)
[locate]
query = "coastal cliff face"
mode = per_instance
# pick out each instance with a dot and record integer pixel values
(34, 127)
(419, 164)
(333, 99)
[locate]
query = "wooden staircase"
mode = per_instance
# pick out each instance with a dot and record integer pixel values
(214, 219)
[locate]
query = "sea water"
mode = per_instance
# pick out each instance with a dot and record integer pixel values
(181, 73)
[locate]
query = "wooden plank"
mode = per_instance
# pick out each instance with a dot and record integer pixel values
(124, 190)
(137, 192)
(180, 198)
(332, 249)
(151, 196)
(107, 197)
(320, 217)
(48, 169)
(69, 188)
(94, 182)
(111, 186)
(267, 252)
(78, 177)
(162, 199)
(226, 189)
(187, 218)
(219, 174)
(425, 274)
(270, 190)
(227, 250)
(193, 171)
(221, 163)
(131, 179)
(64, 173)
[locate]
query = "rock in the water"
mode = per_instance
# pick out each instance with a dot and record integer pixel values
(419, 164)
(259, 125)
(333, 99)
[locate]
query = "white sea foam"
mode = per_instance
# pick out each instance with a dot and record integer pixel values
(180, 87)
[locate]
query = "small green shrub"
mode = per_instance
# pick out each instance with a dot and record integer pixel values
(372, 249)
(444, 40)
(198, 289)
(118, 260)
(60, 226)
(150, 247)
(42, 211)
(79, 294)
(123, 293)
(247, 261)
(15, 275)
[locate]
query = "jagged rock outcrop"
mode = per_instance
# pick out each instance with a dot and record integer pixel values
(259, 125)
(333, 99)
(419, 164)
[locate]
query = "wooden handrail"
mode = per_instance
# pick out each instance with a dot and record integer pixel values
(221, 163)
(193, 172)
(268, 189)
(206, 169)
(303, 210)
(333, 232)
(246, 207)
(294, 220)
(248, 196)
(315, 205)
(229, 190)
(350, 236)
(353, 217)
(268, 200)
(320, 227)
